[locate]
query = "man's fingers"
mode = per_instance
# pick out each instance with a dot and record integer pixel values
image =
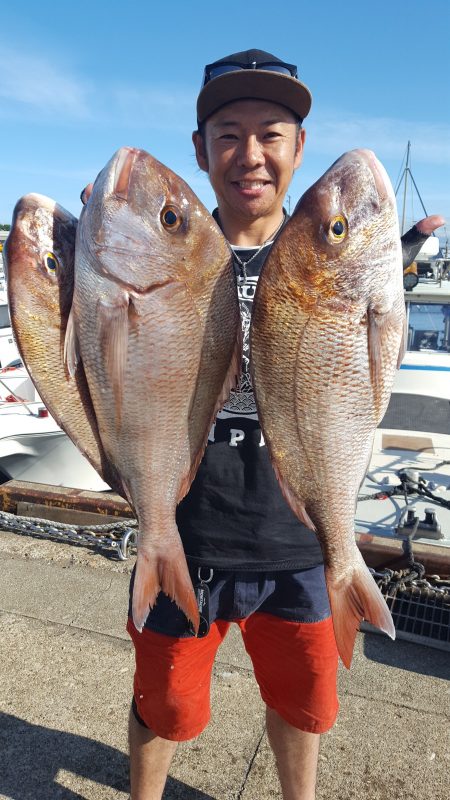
(86, 193)
(429, 224)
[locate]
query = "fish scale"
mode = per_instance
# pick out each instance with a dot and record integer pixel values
(326, 338)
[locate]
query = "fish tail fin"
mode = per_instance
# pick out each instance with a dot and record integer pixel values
(168, 573)
(353, 599)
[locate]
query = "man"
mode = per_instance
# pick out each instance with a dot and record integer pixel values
(263, 569)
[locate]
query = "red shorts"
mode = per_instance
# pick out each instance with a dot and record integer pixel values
(295, 665)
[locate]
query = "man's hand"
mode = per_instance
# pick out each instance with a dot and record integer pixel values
(413, 239)
(430, 224)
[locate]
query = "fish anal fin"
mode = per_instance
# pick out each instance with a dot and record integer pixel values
(112, 328)
(166, 572)
(71, 349)
(353, 598)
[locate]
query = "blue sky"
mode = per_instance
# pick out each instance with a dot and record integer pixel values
(79, 80)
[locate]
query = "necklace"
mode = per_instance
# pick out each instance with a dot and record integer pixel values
(242, 278)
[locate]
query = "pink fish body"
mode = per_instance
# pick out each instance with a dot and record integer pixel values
(155, 322)
(326, 340)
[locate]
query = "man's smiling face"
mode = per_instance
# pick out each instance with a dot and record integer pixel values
(250, 150)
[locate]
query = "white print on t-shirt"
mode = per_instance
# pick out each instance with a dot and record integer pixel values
(237, 435)
(242, 400)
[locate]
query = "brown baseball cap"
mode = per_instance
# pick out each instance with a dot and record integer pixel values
(252, 74)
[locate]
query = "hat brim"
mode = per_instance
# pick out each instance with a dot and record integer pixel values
(256, 85)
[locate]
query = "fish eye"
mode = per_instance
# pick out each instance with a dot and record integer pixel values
(51, 262)
(171, 218)
(338, 228)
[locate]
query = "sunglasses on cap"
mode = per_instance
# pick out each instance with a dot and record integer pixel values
(215, 70)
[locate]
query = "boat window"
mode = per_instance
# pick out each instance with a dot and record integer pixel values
(428, 327)
(5, 321)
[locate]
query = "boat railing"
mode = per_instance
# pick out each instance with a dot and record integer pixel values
(16, 399)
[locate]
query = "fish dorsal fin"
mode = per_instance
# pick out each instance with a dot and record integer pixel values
(230, 382)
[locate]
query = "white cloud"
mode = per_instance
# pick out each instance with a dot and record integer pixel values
(51, 172)
(34, 83)
(171, 108)
(331, 134)
(41, 90)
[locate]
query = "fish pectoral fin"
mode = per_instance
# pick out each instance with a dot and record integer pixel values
(403, 344)
(112, 328)
(352, 599)
(71, 348)
(380, 328)
(374, 346)
(166, 572)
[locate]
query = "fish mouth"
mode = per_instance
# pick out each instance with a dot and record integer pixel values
(380, 176)
(124, 167)
(35, 202)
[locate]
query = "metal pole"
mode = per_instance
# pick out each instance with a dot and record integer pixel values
(404, 190)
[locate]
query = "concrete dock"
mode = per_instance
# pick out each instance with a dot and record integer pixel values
(66, 668)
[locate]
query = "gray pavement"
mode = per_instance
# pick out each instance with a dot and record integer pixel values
(66, 668)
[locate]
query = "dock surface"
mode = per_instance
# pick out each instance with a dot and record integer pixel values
(66, 669)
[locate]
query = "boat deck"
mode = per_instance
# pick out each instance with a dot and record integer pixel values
(65, 681)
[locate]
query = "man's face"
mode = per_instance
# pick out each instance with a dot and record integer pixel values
(250, 150)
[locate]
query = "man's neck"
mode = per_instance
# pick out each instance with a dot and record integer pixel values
(250, 233)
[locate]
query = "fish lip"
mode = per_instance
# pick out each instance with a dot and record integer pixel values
(126, 157)
(382, 182)
(132, 289)
(33, 201)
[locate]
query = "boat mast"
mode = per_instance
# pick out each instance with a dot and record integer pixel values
(407, 170)
(404, 176)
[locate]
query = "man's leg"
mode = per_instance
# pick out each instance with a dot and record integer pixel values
(171, 696)
(150, 759)
(296, 753)
(295, 665)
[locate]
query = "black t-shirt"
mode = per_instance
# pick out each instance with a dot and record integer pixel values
(235, 516)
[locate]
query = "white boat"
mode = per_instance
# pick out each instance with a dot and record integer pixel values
(8, 349)
(32, 446)
(412, 445)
